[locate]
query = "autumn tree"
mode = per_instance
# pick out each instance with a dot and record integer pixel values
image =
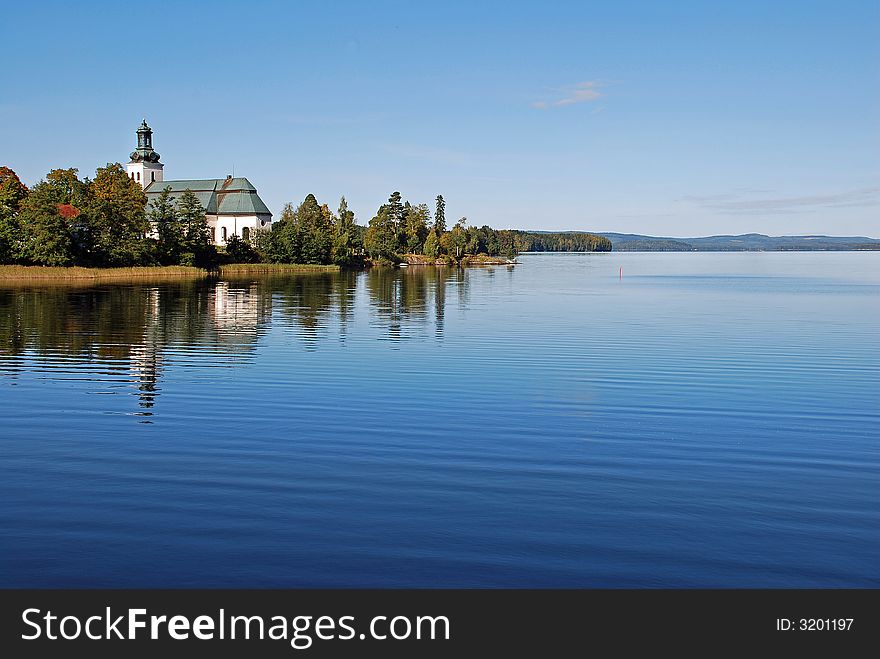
(12, 193)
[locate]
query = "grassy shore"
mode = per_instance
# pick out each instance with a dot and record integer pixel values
(36, 273)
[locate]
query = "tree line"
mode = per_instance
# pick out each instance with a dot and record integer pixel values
(100, 222)
(566, 241)
(106, 221)
(400, 228)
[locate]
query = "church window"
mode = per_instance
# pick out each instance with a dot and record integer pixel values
(138, 176)
(223, 233)
(245, 232)
(213, 235)
(152, 176)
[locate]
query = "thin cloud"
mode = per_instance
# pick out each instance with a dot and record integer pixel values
(581, 92)
(736, 204)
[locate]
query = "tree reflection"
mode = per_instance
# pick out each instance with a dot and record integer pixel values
(131, 333)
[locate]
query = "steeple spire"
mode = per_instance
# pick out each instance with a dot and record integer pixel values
(144, 151)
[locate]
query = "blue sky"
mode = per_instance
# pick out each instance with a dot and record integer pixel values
(664, 118)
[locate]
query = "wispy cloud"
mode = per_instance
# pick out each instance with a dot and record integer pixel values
(581, 92)
(740, 204)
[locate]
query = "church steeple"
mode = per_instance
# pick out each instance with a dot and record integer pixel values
(145, 167)
(144, 151)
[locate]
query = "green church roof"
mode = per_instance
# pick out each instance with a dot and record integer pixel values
(229, 196)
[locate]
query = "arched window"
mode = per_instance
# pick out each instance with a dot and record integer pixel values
(152, 176)
(223, 233)
(213, 235)
(138, 177)
(246, 232)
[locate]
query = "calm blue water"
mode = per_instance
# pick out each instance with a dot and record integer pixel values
(705, 420)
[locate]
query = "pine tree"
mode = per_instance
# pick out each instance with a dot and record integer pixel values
(196, 248)
(440, 216)
(168, 228)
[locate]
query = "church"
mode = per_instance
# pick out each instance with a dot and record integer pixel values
(232, 205)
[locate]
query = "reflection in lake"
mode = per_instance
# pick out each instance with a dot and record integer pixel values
(704, 420)
(120, 335)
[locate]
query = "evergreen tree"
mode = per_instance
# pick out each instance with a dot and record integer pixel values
(347, 237)
(314, 227)
(239, 250)
(168, 228)
(440, 216)
(380, 240)
(396, 211)
(196, 247)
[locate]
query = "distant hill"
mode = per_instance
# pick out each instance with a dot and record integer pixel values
(748, 242)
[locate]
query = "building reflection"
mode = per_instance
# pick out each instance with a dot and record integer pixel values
(133, 333)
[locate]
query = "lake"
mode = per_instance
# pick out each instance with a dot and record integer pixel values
(576, 420)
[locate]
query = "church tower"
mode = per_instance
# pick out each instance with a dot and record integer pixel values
(145, 166)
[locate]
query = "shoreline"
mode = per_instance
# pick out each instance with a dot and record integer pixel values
(19, 274)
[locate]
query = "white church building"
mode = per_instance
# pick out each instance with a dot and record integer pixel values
(232, 205)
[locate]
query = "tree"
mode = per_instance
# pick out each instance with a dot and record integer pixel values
(261, 242)
(416, 227)
(432, 245)
(116, 211)
(314, 227)
(380, 240)
(302, 235)
(396, 211)
(282, 244)
(346, 241)
(440, 216)
(12, 193)
(168, 228)
(69, 189)
(194, 229)
(239, 250)
(44, 233)
(455, 241)
(474, 243)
